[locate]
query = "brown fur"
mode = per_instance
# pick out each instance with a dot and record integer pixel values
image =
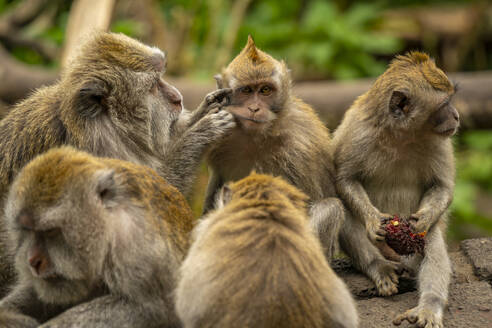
(254, 263)
(393, 155)
(123, 232)
(111, 101)
(291, 141)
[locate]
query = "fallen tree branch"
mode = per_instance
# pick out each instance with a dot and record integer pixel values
(19, 79)
(331, 99)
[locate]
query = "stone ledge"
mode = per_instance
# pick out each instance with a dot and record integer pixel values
(470, 292)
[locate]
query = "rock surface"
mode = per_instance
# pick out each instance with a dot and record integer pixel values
(470, 292)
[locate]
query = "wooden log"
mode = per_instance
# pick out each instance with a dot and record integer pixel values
(331, 99)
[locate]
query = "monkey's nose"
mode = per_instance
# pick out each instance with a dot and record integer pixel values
(38, 264)
(254, 109)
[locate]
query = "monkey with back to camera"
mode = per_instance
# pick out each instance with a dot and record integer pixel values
(276, 133)
(112, 101)
(254, 262)
(393, 155)
(97, 241)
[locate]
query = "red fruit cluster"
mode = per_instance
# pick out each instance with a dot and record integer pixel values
(401, 239)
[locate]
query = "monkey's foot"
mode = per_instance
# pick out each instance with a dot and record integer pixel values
(422, 317)
(384, 274)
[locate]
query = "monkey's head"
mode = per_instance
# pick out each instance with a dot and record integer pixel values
(117, 81)
(58, 211)
(263, 190)
(261, 87)
(416, 97)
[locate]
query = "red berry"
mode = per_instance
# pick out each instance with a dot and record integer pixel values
(401, 239)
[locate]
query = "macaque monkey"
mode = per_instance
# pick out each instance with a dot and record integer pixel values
(393, 155)
(112, 101)
(277, 134)
(254, 262)
(97, 241)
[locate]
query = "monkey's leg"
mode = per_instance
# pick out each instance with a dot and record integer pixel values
(213, 187)
(326, 219)
(434, 277)
(112, 311)
(367, 258)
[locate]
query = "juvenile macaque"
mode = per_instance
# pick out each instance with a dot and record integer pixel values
(255, 263)
(393, 156)
(112, 101)
(277, 134)
(98, 243)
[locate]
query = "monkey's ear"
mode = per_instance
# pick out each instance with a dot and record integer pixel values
(91, 98)
(399, 104)
(219, 81)
(224, 196)
(105, 185)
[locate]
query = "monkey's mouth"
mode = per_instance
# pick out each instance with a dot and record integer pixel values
(448, 132)
(255, 120)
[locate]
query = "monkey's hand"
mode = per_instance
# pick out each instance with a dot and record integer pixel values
(17, 320)
(215, 99)
(375, 227)
(419, 222)
(215, 125)
(423, 317)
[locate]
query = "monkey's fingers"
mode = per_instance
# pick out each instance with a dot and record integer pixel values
(408, 316)
(219, 97)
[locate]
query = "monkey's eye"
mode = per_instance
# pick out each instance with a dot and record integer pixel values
(155, 88)
(51, 233)
(247, 89)
(266, 90)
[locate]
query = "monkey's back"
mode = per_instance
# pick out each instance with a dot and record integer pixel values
(259, 268)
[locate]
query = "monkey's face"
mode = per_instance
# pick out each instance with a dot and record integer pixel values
(46, 257)
(255, 105)
(117, 86)
(424, 112)
(57, 227)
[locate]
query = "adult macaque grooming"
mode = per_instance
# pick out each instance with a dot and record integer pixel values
(112, 102)
(97, 241)
(277, 134)
(393, 155)
(255, 263)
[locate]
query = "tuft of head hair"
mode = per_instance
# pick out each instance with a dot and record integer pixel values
(252, 64)
(106, 48)
(426, 66)
(261, 187)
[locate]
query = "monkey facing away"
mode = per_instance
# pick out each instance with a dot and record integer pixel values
(98, 243)
(276, 133)
(393, 155)
(112, 102)
(254, 262)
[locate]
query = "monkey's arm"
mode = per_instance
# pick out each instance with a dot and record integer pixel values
(213, 187)
(214, 99)
(434, 203)
(185, 152)
(22, 308)
(326, 219)
(357, 200)
(107, 311)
